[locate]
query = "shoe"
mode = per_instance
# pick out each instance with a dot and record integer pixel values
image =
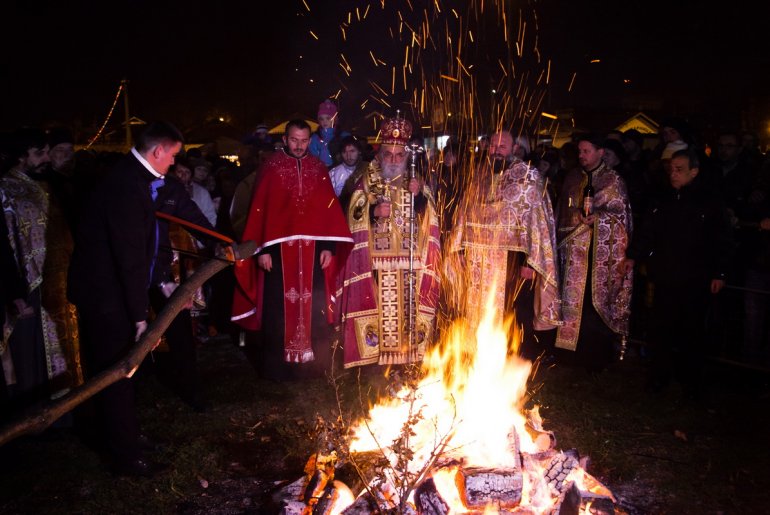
(139, 467)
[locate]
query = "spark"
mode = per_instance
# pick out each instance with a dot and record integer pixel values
(462, 67)
(572, 82)
(378, 88)
(374, 59)
(502, 67)
(505, 23)
(313, 34)
(306, 6)
(347, 64)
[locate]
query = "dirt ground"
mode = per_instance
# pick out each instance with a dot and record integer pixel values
(658, 454)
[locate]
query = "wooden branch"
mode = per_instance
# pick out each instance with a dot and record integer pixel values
(39, 419)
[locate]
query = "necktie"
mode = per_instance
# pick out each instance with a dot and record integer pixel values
(154, 185)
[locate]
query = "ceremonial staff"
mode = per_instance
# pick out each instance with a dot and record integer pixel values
(414, 149)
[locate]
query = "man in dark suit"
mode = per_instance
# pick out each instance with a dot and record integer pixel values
(109, 276)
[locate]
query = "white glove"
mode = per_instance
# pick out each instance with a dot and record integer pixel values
(141, 327)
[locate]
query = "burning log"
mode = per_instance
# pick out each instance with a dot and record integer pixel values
(558, 469)
(543, 440)
(481, 487)
(428, 500)
(569, 502)
(363, 505)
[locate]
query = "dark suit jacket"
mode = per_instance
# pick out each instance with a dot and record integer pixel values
(115, 243)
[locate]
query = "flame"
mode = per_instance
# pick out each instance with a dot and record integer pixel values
(468, 404)
(471, 395)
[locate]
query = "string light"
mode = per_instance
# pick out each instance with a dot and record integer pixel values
(109, 115)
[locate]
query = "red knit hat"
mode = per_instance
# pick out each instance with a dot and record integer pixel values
(327, 107)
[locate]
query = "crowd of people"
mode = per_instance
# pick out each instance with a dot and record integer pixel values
(361, 259)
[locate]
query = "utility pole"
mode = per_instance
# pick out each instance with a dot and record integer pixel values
(129, 142)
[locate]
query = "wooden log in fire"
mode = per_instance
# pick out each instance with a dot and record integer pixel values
(559, 468)
(363, 505)
(480, 487)
(543, 440)
(569, 502)
(428, 500)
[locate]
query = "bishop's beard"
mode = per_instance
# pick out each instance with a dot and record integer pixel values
(391, 171)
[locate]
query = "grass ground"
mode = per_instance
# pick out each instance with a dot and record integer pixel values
(657, 454)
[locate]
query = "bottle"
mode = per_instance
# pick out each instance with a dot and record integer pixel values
(588, 197)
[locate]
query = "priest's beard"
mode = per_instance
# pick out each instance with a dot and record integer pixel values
(499, 165)
(393, 170)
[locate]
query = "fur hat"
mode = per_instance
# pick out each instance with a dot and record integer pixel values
(395, 131)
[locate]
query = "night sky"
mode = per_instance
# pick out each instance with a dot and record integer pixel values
(187, 61)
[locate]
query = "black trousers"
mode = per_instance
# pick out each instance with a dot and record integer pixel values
(533, 343)
(27, 347)
(178, 369)
(270, 352)
(678, 338)
(105, 338)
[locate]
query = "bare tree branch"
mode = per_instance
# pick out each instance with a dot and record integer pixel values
(39, 419)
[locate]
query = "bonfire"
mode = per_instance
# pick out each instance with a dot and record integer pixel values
(458, 439)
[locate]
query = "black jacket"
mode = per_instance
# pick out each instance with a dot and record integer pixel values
(115, 244)
(685, 236)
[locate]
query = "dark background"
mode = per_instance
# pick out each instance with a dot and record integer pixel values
(188, 61)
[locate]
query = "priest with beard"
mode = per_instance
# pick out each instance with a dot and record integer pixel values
(592, 239)
(375, 291)
(506, 248)
(296, 221)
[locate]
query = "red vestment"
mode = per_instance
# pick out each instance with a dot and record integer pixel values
(293, 205)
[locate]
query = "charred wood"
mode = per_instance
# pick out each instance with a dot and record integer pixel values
(428, 500)
(480, 487)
